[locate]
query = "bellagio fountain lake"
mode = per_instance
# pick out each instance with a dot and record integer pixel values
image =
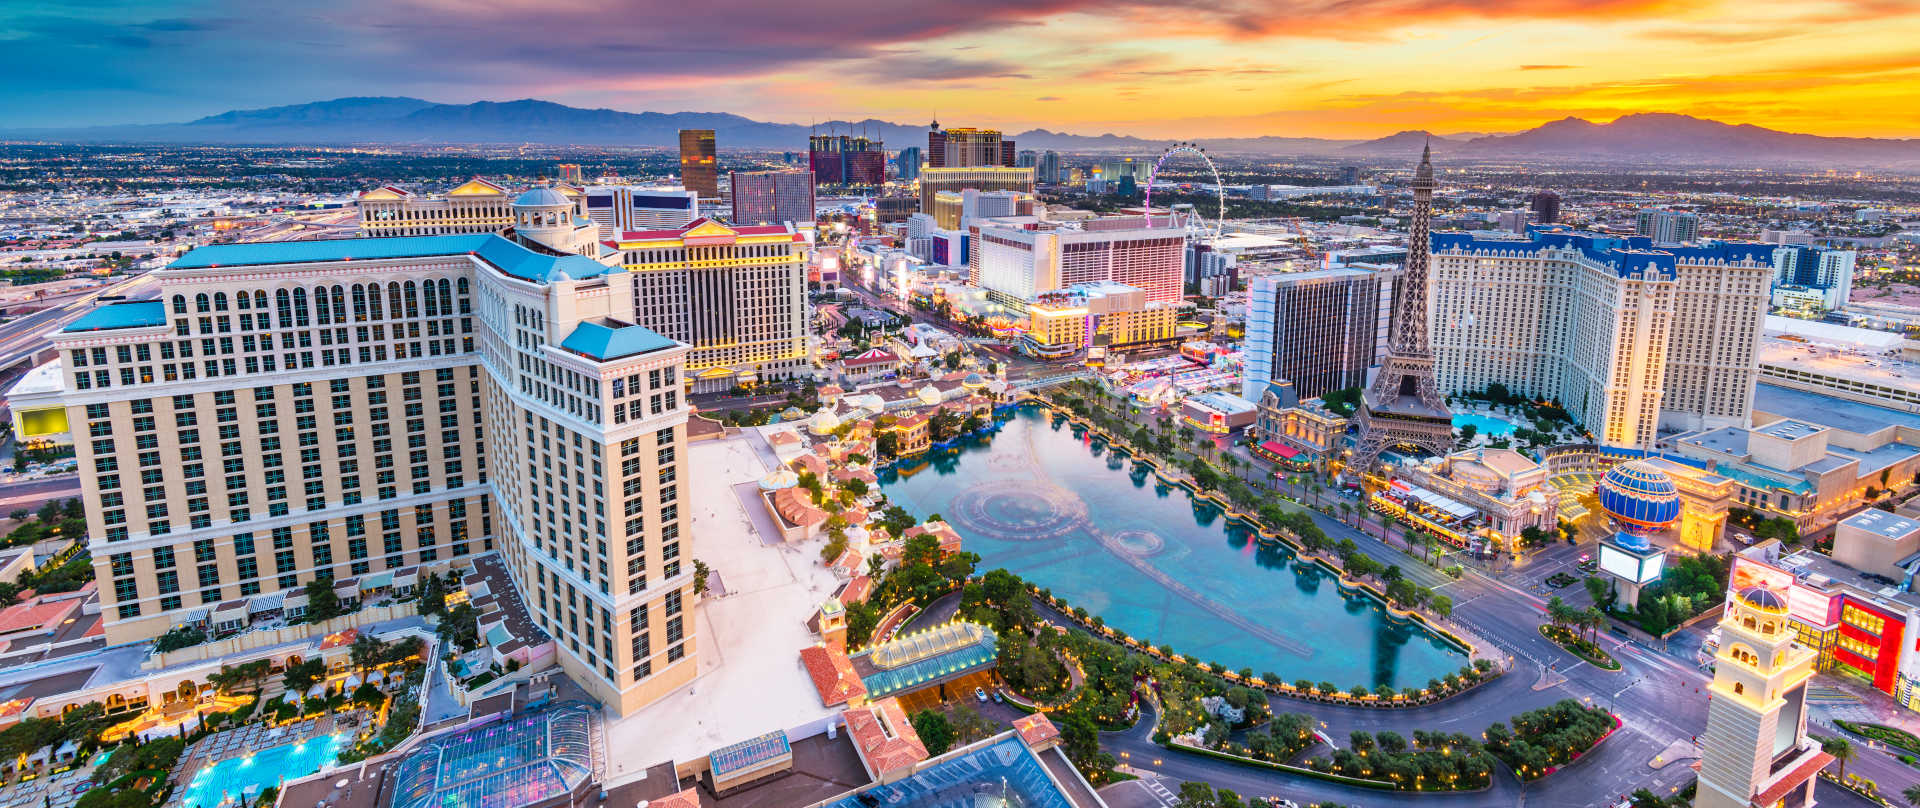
(1042, 500)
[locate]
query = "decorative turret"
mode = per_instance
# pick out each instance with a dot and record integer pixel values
(545, 216)
(1755, 750)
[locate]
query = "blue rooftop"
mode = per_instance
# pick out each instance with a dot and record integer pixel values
(1003, 769)
(605, 342)
(507, 256)
(137, 314)
(1623, 254)
(749, 753)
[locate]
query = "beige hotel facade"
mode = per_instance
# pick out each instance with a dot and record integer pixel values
(346, 408)
(1634, 340)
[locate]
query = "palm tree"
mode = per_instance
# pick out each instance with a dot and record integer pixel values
(1594, 619)
(1842, 751)
(1558, 612)
(1912, 794)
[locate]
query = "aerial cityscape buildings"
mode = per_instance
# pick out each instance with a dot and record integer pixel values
(1099, 473)
(466, 349)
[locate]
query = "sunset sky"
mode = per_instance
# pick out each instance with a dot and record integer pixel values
(1185, 68)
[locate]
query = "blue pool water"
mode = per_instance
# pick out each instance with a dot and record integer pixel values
(1485, 424)
(235, 777)
(1102, 532)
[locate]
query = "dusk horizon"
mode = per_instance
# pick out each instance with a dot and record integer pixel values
(1346, 70)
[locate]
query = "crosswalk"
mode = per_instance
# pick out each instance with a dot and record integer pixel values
(1158, 790)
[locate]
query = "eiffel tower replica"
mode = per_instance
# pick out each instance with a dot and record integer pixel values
(1402, 405)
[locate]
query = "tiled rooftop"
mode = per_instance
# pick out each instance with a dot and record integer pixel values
(610, 340)
(507, 256)
(134, 314)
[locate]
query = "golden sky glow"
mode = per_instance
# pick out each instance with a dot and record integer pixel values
(1155, 68)
(1370, 69)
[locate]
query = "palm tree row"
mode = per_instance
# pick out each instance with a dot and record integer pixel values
(1585, 623)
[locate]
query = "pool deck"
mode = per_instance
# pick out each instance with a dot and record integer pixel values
(242, 741)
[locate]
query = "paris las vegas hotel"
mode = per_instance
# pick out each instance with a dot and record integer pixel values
(514, 382)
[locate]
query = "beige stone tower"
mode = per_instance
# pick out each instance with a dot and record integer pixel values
(1755, 751)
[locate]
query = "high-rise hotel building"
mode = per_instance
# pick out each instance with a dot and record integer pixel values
(1319, 330)
(699, 163)
(345, 409)
(1015, 261)
(933, 181)
(737, 295)
(1630, 338)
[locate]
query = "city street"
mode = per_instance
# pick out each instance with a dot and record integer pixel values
(26, 335)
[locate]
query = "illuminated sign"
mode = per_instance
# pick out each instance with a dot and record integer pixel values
(1748, 573)
(1810, 606)
(1804, 604)
(1630, 567)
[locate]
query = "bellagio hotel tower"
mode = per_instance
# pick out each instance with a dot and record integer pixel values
(343, 409)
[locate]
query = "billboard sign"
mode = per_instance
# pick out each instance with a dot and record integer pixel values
(1804, 604)
(1629, 566)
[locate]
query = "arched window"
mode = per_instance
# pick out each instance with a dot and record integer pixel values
(1749, 622)
(413, 301)
(433, 303)
(219, 301)
(466, 302)
(242, 301)
(320, 304)
(286, 307)
(259, 298)
(359, 303)
(373, 301)
(200, 303)
(339, 304)
(179, 304)
(446, 297)
(299, 306)
(1739, 688)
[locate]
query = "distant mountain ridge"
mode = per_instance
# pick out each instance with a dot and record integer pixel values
(400, 120)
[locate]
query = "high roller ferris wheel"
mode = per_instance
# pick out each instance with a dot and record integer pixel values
(1219, 188)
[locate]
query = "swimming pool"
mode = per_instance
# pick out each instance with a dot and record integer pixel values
(1484, 424)
(235, 778)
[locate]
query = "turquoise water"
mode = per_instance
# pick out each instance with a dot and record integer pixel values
(1102, 532)
(1486, 424)
(234, 777)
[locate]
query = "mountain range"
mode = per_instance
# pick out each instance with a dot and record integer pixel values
(400, 120)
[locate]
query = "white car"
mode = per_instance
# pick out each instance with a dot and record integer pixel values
(979, 695)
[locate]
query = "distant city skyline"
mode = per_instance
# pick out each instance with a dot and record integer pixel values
(1319, 68)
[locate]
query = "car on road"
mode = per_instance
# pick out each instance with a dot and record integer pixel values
(979, 695)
